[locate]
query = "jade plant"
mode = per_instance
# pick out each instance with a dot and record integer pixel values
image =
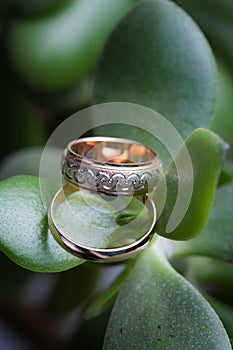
(177, 293)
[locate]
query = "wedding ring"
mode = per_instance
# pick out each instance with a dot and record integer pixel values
(111, 165)
(98, 254)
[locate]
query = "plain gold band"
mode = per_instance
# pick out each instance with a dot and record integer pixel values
(98, 254)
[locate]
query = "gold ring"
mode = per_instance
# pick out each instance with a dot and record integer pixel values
(98, 254)
(111, 166)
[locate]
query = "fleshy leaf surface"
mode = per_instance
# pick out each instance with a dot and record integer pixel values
(47, 63)
(214, 279)
(225, 313)
(222, 122)
(158, 309)
(216, 20)
(86, 219)
(216, 240)
(24, 234)
(207, 151)
(158, 57)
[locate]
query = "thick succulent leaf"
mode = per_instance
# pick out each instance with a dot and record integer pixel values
(53, 52)
(157, 57)
(24, 234)
(222, 122)
(87, 219)
(158, 309)
(206, 150)
(216, 240)
(214, 279)
(225, 312)
(216, 19)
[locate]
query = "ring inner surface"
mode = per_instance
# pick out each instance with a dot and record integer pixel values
(93, 221)
(114, 152)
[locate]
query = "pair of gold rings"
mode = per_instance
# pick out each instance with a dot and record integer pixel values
(111, 167)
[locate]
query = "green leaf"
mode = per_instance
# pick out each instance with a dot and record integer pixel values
(206, 150)
(222, 122)
(216, 19)
(158, 57)
(225, 312)
(53, 52)
(158, 309)
(24, 234)
(86, 218)
(214, 279)
(216, 240)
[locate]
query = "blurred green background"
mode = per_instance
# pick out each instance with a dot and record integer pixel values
(49, 52)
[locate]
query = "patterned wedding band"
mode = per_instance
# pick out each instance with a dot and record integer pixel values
(103, 255)
(111, 165)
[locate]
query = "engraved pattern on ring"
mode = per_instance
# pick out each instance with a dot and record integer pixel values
(108, 180)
